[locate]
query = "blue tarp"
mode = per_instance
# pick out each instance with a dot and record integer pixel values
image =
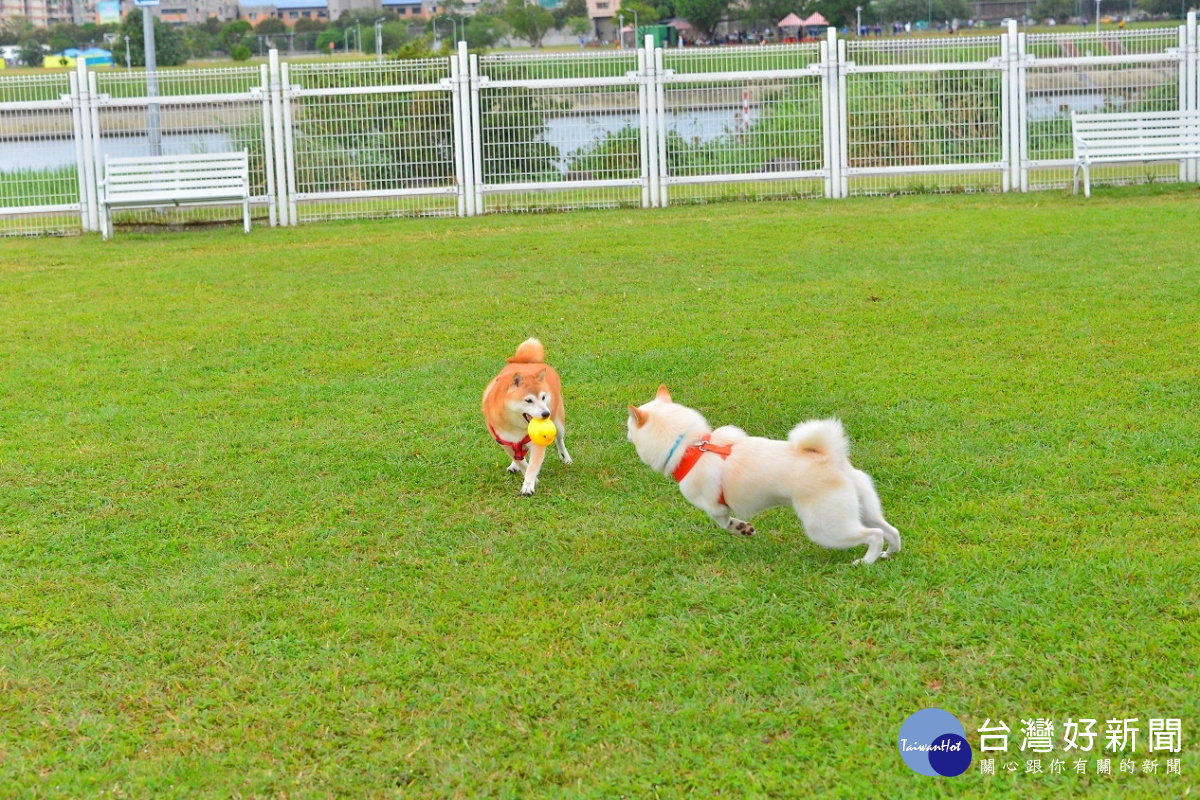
(93, 56)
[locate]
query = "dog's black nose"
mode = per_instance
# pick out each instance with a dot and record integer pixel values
(545, 415)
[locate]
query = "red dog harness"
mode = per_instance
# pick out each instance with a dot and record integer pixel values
(518, 448)
(692, 454)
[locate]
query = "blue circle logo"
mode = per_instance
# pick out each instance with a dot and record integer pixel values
(933, 742)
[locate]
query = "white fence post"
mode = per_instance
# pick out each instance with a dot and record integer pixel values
(843, 120)
(289, 147)
(660, 116)
(94, 169)
(83, 149)
(1016, 99)
(652, 120)
(268, 144)
(81, 163)
(462, 100)
(476, 131)
(276, 88)
(1022, 154)
(827, 123)
(646, 139)
(1006, 103)
(1190, 84)
(831, 103)
(461, 142)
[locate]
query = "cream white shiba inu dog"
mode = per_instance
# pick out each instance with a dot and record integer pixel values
(526, 389)
(726, 472)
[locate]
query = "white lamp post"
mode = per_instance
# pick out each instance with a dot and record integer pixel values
(858, 23)
(379, 40)
(1097, 16)
(621, 31)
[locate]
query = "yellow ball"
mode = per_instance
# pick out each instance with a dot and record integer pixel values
(542, 431)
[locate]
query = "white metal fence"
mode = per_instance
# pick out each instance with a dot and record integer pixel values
(470, 135)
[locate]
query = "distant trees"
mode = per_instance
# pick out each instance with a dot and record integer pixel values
(1059, 10)
(330, 36)
(31, 53)
(529, 21)
(234, 33)
(705, 15)
(15, 30)
(270, 26)
(906, 10)
(170, 46)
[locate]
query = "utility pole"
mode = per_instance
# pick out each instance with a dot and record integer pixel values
(153, 126)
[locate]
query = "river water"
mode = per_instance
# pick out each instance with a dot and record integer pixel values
(568, 133)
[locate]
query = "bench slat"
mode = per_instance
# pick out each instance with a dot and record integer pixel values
(233, 168)
(126, 177)
(117, 197)
(183, 158)
(1129, 115)
(1117, 130)
(227, 177)
(1108, 148)
(153, 198)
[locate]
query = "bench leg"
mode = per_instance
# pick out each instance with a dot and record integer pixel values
(246, 214)
(1075, 177)
(1087, 180)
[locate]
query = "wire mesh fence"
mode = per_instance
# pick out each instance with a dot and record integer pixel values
(371, 140)
(925, 115)
(1111, 72)
(559, 132)
(183, 112)
(513, 132)
(39, 184)
(743, 123)
(717, 60)
(951, 50)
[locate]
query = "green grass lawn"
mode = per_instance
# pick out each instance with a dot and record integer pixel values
(256, 541)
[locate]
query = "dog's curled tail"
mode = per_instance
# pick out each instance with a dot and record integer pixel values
(529, 351)
(823, 436)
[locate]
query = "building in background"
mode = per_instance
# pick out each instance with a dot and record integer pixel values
(603, 14)
(289, 11)
(41, 13)
(188, 12)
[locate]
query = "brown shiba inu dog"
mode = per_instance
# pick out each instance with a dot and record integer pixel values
(526, 389)
(724, 472)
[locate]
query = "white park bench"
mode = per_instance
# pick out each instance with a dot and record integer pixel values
(156, 181)
(1133, 137)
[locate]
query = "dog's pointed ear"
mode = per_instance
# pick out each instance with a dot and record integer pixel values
(663, 394)
(517, 379)
(638, 416)
(541, 376)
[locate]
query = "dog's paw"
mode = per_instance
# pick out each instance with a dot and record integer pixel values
(527, 488)
(514, 469)
(886, 554)
(566, 459)
(744, 528)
